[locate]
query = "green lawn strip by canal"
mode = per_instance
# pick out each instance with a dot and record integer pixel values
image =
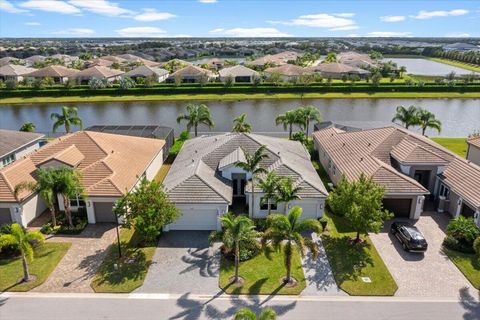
(457, 145)
(463, 65)
(468, 264)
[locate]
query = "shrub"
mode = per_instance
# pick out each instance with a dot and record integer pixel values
(247, 251)
(464, 231)
(79, 223)
(476, 246)
(126, 83)
(38, 84)
(453, 244)
(11, 84)
(300, 137)
(11, 250)
(260, 224)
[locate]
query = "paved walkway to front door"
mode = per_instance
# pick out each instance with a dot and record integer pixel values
(77, 268)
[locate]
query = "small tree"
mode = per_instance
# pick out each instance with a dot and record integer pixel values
(287, 191)
(148, 209)
(247, 314)
(11, 84)
(126, 83)
(203, 79)
(229, 81)
(27, 127)
(23, 240)
(67, 183)
(196, 114)
(269, 186)
(361, 202)
(240, 125)
(407, 116)
(376, 78)
(68, 118)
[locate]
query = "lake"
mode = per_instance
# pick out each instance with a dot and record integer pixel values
(459, 117)
(424, 67)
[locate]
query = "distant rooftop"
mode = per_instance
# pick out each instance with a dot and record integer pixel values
(11, 140)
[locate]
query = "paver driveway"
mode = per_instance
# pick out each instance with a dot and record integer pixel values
(431, 274)
(183, 263)
(75, 271)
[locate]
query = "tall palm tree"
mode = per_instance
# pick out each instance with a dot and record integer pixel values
(27, 127)
(68, 118)
(407, 116)
(247, 314)
(196, 114)
(236, 231)
(23, 239)
(287, 191)
(426, 119)
(252, 165)
(269, 186)
(45, 187)
(286, 232)
(288, 119)
(310, 113)
(67, 183)
(239, 124)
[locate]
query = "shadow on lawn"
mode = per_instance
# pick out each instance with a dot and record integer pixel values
(470, 304)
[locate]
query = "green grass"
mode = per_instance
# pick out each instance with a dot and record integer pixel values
(468, 264)
(457, 145)
(459, 64)
(130, 275)
(241, 96)
(46, 258)
(263, 274)
(321, 172)
(351, 262)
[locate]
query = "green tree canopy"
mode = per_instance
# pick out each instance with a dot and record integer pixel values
(240, 124)
(67, 118)
(247, 314)
(407, 116)
(196, 114)
(28, 127)
(426, 119)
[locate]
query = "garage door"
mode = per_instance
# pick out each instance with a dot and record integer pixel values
(195, 219)
(104, 212)
(5, 216)
(467, 211)
(309, 211)
(399, 207)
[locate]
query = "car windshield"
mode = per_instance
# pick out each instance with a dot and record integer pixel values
(414, 233)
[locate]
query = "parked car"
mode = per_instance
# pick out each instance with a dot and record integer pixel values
(409, 236)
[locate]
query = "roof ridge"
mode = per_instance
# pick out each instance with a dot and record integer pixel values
(89, 135)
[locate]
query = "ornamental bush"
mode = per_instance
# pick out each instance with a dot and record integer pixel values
(461, 233)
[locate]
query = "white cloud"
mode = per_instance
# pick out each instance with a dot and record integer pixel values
(422, 15)
(207, 1)
(392, 18)
(344, 28)
(389, 34)
(51, 6)
(249, 32)
(136, 32)
(345, 15)
(458, 35)
(76, 32)
(32, 23)
(352, 35)
(153, 15)
(333, 22)
(102, 7)
(8, 7)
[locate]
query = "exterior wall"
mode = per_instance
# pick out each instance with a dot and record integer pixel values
(228, 171)
(473, 154)
(335, 175)
(455, 204)
(21, 152)
(163, 78)
(224, 79)
(154, 166)
(24, 213)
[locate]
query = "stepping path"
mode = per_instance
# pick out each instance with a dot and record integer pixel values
(77, 268)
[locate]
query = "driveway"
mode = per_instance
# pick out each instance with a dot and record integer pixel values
(77, 268)
(429, 275)
(183, 263)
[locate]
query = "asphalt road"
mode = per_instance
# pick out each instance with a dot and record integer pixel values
(157, 306)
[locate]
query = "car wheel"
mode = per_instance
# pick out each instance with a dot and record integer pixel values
(404, 247)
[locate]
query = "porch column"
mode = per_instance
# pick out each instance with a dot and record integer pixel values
(477, 217)
(459, 207)
(90, 212)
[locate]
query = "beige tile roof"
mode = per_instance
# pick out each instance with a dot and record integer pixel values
(277, 59)
(191, 71)
(289, 70)
(464, 179)
(335, 67)
(53, 71)
(11, 140)
(14, 70)
(110, 164)
(99, 62)
(237, 71)
(146, 71)
(98, 72)
(409, 152)
(475, 141)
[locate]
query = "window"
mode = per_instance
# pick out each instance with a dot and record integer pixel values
(444, 191)
(8, 159)
(273, 206)
(77, 202)
(329, 164)
(334, 170)
(264, 204)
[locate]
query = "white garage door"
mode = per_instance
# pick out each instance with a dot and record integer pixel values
(309, 210)
(196, 219)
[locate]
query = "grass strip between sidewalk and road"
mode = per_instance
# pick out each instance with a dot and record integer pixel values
(468, 264)
(46, 258)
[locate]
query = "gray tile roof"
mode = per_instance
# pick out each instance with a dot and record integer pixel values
(12, 140)
(146, 71)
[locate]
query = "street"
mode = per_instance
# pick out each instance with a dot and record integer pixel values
(190, 307)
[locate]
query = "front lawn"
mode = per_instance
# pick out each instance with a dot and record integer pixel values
(457, 145)
(132, 268)
(352, 262)
(263, 274)
(46, 258)
(468, 264)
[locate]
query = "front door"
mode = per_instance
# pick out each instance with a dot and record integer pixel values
(423, 177)
(238, 184)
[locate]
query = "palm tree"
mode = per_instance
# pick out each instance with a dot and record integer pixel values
(196, 114)
(67, 183)
(68, 118)
(287, 191)
(239, 124)
(27, 127)
(407, 116)
(288, 119)
(23, 239)
(269, 186)
(402, 70)
(44, 186)
(247, 314)
(252, 165)
(426, 119)
(310, 113)
(287, 230)
(236, 231)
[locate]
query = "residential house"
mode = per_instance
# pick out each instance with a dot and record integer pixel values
(14, 72)
(409, 167)
(473, 150)
(288, 71)
(205, 183)
(238, 73)
(16, 144)
(10, 60)
(144, 71)
(355, 59)
(133, 59)
(110, 165)
(278, 59)
(98, 72)
(98, 62)
(337, 70)
(191, 74)
(461, 47)
(30, 61)
(175, 64)
(59, 74)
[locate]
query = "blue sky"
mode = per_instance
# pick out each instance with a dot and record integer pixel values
(230, 18)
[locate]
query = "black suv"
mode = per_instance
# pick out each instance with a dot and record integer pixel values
(409, 236)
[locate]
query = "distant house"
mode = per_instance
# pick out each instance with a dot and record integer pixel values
(98, 72)
(278, 59)
(10, 60)
(98, 62)
(67, 59)
(288, 71)
(131, 58)
(238, 73)
(191, 74)
(111, 165)
(337, 70)
(175, 64)
(473, 150)
(355, 59)
(14, 72)
(215, 63)
(16, 144)
(114, 59)
(159, 74)
(461, 47)
(30, 61)
(59, 74)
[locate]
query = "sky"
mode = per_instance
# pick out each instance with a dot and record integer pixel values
(233, 18)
